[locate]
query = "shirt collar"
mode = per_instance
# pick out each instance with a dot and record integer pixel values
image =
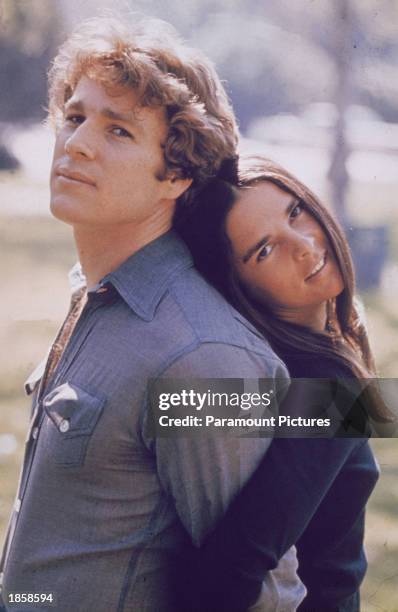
(144, 277)
(77, 280)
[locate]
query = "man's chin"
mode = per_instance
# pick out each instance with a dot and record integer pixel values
(65, 211)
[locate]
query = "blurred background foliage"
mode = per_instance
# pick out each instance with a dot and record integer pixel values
(275, 56)
(27, 45)
(314, 84)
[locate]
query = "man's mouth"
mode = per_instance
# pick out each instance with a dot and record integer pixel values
(74, 176)
(319, 266)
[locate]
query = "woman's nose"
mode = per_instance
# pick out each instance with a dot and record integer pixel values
(304, 245)
(81, 143)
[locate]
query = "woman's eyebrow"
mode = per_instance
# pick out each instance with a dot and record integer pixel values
(251, 250)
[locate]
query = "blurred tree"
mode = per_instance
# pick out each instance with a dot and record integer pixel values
(374, 37)
(376, 55)
(279, 56)
(27, 35)
(275, 55)
(26, 47)
(268, 70)
(343, 20)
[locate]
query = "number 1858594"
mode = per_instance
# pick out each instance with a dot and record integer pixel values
(43, 598)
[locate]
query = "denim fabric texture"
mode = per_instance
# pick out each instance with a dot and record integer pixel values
(103, 508)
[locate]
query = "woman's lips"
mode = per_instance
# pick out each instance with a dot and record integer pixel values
(318, 268)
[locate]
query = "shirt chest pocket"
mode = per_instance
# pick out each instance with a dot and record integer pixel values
(73, 414)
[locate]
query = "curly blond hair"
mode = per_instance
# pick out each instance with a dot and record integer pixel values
(149, 57)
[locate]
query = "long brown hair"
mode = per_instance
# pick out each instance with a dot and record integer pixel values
(345, 341)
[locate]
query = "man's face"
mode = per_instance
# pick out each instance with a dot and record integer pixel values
(108, 160)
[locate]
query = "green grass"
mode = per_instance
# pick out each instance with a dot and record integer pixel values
(380, 588)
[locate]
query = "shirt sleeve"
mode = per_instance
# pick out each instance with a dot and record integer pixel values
(202, 472)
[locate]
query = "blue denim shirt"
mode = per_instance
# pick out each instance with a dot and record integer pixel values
(104, 505)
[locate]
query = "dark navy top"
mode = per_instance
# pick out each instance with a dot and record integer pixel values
(307, 492)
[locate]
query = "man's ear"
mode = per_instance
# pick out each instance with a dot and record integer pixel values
(177, 186)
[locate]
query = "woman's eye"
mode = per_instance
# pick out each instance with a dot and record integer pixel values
(119, 131)
(265, 251)
(296, 211)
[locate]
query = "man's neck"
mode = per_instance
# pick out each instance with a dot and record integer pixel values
(102, 249)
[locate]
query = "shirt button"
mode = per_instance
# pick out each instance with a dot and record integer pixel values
(64, 426)
(17, 505)
(35, 433)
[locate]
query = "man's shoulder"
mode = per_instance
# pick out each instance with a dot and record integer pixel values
(177, 312)
(210, 317)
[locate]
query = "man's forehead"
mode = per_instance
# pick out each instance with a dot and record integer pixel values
(116, 102)
(90, 92)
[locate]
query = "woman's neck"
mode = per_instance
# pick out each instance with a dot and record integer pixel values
(313, 317)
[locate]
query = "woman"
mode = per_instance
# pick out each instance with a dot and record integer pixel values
(281, 259)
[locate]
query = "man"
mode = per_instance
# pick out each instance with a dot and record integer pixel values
(142, 122)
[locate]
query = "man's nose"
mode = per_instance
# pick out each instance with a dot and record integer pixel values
(81, 143)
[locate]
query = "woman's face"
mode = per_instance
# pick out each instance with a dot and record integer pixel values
(282, 255)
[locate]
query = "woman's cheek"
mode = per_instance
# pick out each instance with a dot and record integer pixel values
(266, 292)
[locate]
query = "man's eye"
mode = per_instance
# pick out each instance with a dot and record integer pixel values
(74, 119)
(296, 211)
(265, 251)
(119, 131)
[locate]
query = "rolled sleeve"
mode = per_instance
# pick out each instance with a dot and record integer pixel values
(203, 472)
